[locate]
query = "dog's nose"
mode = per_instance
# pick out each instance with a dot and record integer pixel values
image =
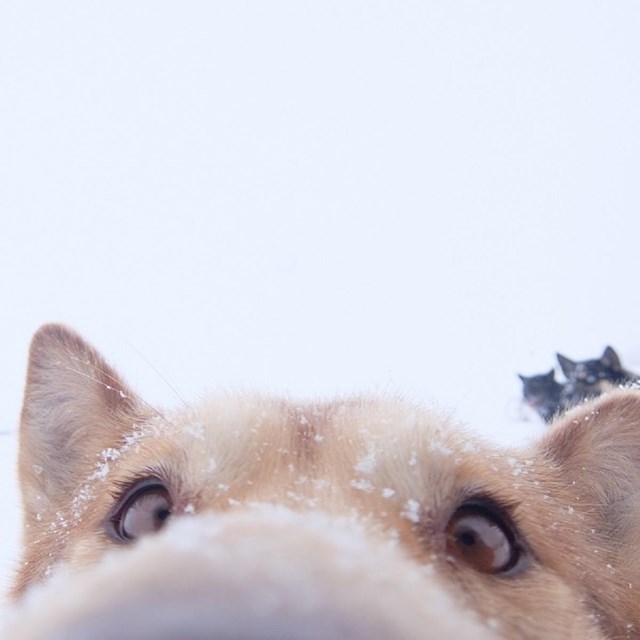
(270, 575)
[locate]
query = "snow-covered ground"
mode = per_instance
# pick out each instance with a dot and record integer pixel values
(319, 199)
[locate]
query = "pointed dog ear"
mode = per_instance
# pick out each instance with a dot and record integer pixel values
(75, 405)
(596, 447)
(568, 366)
(611, 360)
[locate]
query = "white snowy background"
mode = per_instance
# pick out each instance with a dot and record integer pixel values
(319, 198)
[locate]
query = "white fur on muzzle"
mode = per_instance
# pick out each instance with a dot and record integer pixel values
(264, 574)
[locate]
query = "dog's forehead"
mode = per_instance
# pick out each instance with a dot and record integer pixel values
(264, 448)
(308, 432)
(362, 416)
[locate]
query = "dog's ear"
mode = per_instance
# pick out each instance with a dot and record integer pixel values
(611, 360)
(591, 458)
(75, 405)
(596, 448)
(568, 366)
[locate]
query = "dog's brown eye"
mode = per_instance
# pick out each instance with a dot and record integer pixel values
(483, 540)
(145, 510)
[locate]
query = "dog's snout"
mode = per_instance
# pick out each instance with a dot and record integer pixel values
(271, 575)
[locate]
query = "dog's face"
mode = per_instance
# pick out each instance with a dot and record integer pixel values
(598, 375)
(249, 517)
(543, 393)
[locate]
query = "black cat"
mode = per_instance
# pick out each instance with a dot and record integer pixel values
(544, 394)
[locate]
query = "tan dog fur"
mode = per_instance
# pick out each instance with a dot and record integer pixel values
(313, 520)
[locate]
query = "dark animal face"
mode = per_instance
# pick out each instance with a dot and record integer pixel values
(607, 368)
(543, 393)
(590, 378)
(586, 379)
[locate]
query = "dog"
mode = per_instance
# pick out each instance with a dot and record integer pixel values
(585, 380)
(250, 517)
(589, 378)
(544, 394)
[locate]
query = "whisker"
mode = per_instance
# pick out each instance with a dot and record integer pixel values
(100, 382)
(159, 374)
(117, 389)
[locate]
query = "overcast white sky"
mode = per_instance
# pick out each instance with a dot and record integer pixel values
(321, 197)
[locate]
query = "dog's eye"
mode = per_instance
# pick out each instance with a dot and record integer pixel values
(482, 539)
(144, 510)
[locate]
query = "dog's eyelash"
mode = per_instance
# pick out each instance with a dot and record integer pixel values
(508, 509)
(162, 472)
(122, 485)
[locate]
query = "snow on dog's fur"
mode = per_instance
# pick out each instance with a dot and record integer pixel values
(252, 517)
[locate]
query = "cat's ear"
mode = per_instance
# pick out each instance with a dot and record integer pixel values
(568, 366)
(611, 360)
(524, 379)
(551, 376)
(75, 405)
